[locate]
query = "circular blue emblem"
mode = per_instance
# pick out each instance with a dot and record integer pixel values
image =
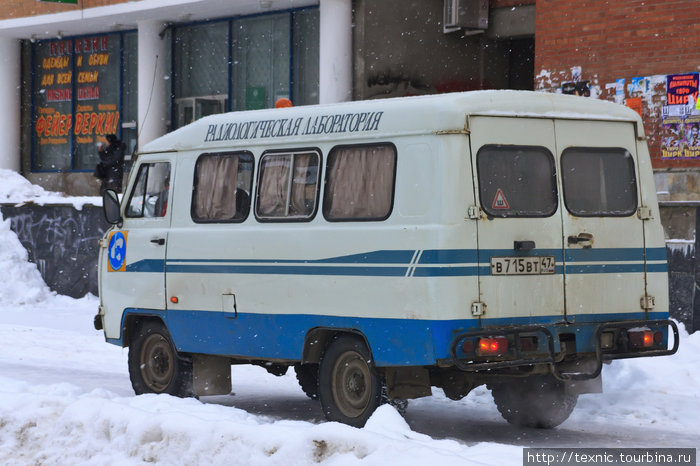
(117, 250)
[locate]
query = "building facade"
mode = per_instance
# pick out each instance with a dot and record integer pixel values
(76, 70)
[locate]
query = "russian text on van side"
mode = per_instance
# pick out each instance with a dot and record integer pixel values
(284, 127)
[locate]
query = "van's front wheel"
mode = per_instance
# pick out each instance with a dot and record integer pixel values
(349, 388)
(539, 402)
(155, 365)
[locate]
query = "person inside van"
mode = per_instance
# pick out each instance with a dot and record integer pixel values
(242, 204)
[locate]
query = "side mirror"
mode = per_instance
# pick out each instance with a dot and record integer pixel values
(110, 207)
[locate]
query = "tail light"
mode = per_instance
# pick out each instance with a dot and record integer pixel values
(644, 338)
(492, 346)
(528, 343)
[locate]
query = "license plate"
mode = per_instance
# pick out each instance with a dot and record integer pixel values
(537, 265)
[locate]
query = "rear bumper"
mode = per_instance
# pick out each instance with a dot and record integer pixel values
(551, 352)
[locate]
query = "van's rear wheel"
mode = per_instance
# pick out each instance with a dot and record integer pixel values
(349, 388)
(307, 376)
(539, 402)
(155, 365)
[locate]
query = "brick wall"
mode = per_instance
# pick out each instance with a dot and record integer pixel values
(21, 8)
(611, 40)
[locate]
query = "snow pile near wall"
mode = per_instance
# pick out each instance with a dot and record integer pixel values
(21, 282)
(16, 189)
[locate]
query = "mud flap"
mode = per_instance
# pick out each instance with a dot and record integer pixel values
(211, 375)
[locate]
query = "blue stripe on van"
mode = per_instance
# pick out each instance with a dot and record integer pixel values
(431, 263)
(394, 342)
(147, 265)
(271, 269)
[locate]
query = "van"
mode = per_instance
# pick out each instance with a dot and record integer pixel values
(382, 248)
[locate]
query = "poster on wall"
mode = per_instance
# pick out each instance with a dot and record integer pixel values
(681, 117)
(692, 137)
(76, 100)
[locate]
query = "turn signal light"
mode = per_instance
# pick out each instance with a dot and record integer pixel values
(492, 346)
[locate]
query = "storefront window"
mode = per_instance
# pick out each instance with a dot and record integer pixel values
(245, 64)
(77, 89)
(261, 54)
(53, 105)
(305, 53)
(201, 70)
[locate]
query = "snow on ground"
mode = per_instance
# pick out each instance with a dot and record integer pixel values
(66, 399)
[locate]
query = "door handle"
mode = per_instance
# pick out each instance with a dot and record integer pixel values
(158, 241)
(585, 240)
(523, 245)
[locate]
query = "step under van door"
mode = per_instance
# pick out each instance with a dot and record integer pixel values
(603, 235)
(520, 229)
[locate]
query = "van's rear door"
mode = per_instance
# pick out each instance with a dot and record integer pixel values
(603, 236)
(520, 230)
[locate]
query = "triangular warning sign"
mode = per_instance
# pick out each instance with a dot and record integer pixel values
(500, 202)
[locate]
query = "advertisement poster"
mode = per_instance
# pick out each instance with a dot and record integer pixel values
(635, 103)
(76, 100)
(671, 142)
(681, 88)
(691, 144)
(681, 118)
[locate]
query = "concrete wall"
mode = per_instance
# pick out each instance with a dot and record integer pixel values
(62, 241)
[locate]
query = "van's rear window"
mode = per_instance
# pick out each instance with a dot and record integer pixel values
(517, 181)
(599, 182)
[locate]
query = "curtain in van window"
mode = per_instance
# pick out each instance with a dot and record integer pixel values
(301, 202)
(360, 183)
(216, 187)
(274, 182)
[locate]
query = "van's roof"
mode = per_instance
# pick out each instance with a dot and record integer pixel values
(380, 118)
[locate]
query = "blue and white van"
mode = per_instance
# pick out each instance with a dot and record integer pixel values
(385, 247)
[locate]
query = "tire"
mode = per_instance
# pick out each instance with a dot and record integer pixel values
(349, 387)
(538, 402)
(155, 366)
(307, 376)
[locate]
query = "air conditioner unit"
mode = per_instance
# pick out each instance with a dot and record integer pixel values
(465, 14)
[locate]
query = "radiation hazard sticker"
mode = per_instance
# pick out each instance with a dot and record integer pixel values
(116, 251)
(500, 201)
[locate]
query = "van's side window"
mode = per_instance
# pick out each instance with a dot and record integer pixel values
(599, 182)
(288, 186)
(222, 185)
(149, 197)
(517, 181)
(360, 182)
